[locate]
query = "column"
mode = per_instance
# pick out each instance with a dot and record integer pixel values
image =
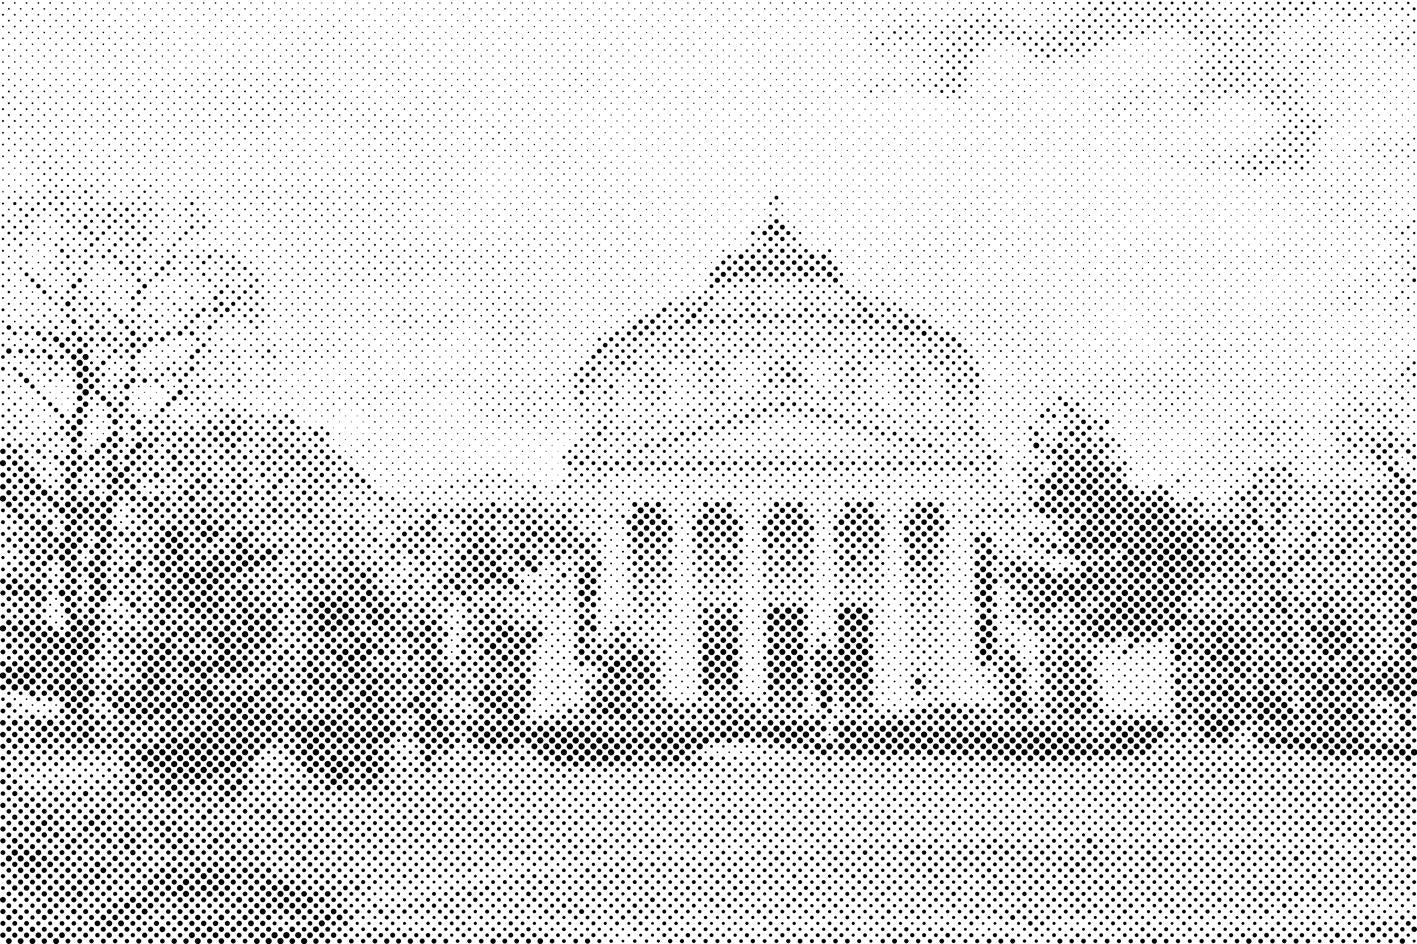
(787, 594)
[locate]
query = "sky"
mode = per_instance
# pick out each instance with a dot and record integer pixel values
(452, 204)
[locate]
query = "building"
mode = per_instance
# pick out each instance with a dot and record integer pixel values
(788, 481)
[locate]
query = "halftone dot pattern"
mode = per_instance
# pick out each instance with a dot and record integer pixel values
(708, 474)
(1247, 50)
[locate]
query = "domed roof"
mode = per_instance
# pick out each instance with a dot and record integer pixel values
(776, 370)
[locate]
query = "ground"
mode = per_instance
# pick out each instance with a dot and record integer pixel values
(743, 841)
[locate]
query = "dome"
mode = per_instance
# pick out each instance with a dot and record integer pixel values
(775, 373)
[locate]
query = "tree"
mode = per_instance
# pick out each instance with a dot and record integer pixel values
(247, 534)
(201, 579)
(104, 318)
(1135, 558)
(1331, 610)
(1290, 607)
